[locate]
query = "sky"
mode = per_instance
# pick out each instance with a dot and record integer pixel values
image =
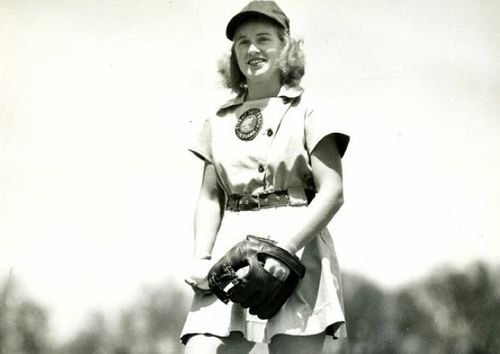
(97, 100)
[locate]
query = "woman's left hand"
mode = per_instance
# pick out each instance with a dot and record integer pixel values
(277, 268)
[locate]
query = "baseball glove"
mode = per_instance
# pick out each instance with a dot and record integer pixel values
(258, 290)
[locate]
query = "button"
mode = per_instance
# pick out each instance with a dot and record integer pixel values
(269, 132)
(261, 168)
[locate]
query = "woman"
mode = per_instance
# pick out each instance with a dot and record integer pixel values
(269, 142)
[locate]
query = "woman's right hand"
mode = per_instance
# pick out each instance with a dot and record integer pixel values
(196, 274)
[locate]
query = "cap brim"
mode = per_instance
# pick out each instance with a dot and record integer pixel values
(243, 16)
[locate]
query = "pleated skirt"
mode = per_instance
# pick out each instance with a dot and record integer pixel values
(315, 306)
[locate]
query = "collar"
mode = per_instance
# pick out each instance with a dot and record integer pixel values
(286, 92)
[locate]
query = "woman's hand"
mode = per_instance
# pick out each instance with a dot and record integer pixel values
(196, 274)
(277, 268)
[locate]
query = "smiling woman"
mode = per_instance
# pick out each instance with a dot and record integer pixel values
(93, 100)
(272, 182)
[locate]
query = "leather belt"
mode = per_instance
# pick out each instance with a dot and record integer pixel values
(245, 202)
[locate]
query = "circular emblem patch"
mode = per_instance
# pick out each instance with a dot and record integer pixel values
(249, 124)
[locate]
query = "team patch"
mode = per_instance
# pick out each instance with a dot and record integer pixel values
(249, 124)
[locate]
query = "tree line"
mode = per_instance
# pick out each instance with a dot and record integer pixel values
(448, 312)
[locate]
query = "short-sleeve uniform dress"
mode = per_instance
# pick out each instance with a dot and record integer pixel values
(267, 153)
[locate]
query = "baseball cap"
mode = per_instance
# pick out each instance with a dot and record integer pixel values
(268, 9)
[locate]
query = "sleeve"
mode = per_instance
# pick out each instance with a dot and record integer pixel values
(201, 140)
(320, 124)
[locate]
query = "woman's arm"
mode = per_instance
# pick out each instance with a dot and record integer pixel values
(208, 214)
(327, 173)
(207, 219)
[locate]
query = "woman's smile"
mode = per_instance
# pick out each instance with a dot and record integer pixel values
(256, 61)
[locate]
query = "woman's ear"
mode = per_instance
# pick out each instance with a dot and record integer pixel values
(285, 44)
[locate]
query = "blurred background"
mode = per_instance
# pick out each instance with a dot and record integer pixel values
(97, 189)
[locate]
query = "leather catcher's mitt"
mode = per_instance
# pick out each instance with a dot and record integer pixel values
(258, 290)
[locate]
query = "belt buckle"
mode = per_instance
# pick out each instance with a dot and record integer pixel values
(249, 202)
(258, 202)
(255, 200)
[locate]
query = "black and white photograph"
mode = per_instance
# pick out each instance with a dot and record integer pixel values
(259, 177)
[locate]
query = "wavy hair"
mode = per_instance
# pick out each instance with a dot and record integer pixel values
(292, 64)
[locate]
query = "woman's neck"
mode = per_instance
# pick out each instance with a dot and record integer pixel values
(263, 89)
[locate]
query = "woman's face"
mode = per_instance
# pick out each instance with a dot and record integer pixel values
(257, 48)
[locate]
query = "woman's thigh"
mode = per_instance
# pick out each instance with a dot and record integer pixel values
(209, 344)
(281, 344)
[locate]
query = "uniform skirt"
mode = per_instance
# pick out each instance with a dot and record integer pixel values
(315, 306)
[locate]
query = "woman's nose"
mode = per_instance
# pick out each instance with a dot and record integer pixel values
(252, 48)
